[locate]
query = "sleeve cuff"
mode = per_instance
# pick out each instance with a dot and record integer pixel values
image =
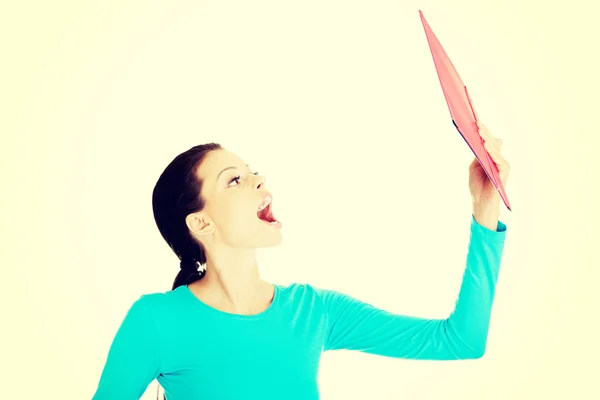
(500, 228)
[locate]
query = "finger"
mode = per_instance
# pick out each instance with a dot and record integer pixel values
(492, 145)
(496, 155)
(497, 143)
(483, 129)
(501, 163)
(487, 135)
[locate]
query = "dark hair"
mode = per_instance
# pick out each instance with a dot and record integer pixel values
(175, 195)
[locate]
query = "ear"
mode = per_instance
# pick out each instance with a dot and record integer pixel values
(200, 224)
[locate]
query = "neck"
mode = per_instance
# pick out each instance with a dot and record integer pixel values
(233, 279)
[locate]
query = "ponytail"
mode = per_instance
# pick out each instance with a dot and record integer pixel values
(176, 195)
(191, 271)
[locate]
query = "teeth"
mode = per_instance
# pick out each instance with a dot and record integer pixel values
(264, 204)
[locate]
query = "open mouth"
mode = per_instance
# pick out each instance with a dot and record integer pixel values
(265, 212)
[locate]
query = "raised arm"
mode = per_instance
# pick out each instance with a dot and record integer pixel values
(133, 359)
(357, 325)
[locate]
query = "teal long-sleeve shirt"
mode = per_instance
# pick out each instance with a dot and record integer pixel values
(198, 352)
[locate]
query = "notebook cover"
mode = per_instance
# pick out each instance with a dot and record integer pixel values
(461, 109)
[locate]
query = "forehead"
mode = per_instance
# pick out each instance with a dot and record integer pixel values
(216, 161)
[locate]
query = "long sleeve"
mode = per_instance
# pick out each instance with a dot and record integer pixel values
(356, 325)
(133, 359)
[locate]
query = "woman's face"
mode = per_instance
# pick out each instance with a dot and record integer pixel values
(233, 194)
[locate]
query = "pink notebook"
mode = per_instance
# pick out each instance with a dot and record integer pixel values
(461, 110)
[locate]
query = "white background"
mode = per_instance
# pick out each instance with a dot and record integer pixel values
(339, 105)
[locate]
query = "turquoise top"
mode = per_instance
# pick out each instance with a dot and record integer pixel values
(198, 352)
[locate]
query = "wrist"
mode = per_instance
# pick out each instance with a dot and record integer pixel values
(487, 213)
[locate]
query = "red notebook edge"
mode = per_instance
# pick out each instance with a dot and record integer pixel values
(491, 165)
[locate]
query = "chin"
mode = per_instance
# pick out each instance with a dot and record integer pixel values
(271, 241)
(267, 236)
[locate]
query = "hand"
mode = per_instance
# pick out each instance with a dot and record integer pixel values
(482, 189)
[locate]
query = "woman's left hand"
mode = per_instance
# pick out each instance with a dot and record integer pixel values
(482, 189)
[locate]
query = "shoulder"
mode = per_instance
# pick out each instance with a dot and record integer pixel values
(159, 304)
(306, 292)
(297, 288)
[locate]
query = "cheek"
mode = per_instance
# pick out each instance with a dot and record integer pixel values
(236, 222)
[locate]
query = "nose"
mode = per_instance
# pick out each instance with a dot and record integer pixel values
(260, 182)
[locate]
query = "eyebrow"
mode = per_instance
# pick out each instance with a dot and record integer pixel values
(232, 167)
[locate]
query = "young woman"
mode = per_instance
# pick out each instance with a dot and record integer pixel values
(224, 333)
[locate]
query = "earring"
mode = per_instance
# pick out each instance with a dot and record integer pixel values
(200, 267)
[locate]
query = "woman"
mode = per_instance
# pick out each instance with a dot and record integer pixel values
(224, 333)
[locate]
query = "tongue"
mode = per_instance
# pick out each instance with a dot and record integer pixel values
(266, 214)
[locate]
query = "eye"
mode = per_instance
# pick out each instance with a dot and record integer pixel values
(235, 179)
(238, 177)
